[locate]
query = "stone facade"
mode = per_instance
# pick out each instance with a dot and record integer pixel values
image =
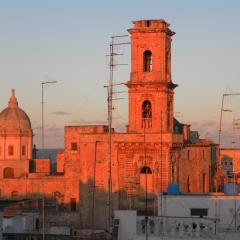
(155, 149)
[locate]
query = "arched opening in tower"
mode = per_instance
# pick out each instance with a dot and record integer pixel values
(147, 61)
(146, 114)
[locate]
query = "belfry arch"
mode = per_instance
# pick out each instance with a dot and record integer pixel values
(146, 114)
(147, 61)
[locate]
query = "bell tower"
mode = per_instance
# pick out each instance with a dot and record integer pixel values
(150, 88)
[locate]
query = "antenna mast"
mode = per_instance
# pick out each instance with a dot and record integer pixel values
(44, 83)
(218, 164)
(112, 54)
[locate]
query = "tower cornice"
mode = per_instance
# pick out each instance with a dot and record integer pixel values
(151, 30)
(170, 85)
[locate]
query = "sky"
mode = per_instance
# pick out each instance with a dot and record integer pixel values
(68, 41)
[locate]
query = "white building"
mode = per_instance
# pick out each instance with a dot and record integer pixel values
(188, 216)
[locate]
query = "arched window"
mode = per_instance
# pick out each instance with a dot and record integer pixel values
(10, 150)
(8, 172)
(146, 170)
(146, 183)
(147, 61)
(146, 114)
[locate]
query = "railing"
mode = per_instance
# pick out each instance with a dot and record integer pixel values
(146, 122)
(187, 227)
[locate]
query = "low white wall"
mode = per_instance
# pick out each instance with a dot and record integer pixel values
(219, 206)
(127, 225)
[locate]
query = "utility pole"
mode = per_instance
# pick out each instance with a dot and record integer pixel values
(146, 179)
(43, 84)
(43, 197)
(112, 64)
(94, 186)
(43, 212)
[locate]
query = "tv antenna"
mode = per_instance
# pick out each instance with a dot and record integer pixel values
(43, 84)
(112, 64)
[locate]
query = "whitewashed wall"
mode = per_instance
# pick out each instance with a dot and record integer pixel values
(219, 206)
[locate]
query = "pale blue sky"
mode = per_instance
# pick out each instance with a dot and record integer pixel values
(67, 41)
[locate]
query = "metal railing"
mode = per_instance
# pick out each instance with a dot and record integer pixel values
(185, 227)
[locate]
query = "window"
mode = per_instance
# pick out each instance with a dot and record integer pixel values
(73, 205)
(168, 112)
(189, 184)
(146, 114)
(147, 61)
(14, 194)
(204, 183)
(37, 224)
(10, 150)
(199, 212)
(74, 146)
(168, 57)
(24, 150)
(8, 172)
(146, 170)
(148, 23)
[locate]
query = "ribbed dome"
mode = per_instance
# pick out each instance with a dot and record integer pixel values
(13, 120)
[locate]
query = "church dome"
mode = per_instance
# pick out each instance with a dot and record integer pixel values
(13, 120)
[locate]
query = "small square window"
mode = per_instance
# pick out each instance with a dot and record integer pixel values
(74, 146)
(200, 212)
(148, 23)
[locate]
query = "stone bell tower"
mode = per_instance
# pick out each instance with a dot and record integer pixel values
(150, 88)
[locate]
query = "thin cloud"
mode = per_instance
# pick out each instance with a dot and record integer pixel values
(210, 129)
(54, 136)
(84, 121)
(61, 113)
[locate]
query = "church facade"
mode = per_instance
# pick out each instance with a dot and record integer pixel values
(155, 149)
